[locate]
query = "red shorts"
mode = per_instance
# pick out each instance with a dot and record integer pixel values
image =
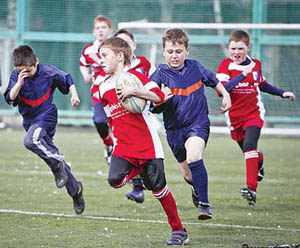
(239, 133)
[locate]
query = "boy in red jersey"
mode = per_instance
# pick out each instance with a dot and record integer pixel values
(138, 149)
(242, 77)
(90, 60)
(142, 65)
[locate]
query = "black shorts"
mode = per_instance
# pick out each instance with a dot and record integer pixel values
(153, 176)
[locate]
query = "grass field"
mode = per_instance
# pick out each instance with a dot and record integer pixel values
(34, 213)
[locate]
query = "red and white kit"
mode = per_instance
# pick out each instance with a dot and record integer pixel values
(247, 106)
(87, 59)
(142, 65)
(135, 135)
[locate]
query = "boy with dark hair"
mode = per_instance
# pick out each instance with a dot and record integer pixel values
(142, 65)
(185, 112)
(31, 88)
(138, 149)
(90, 60)
(243, 79)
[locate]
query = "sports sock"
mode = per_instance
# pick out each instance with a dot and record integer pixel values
(137, 183)
(200, 179)
(251, 158)
(169, 205)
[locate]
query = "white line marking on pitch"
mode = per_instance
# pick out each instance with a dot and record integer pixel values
(145, 221)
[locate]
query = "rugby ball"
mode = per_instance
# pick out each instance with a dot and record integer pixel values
(133, 104)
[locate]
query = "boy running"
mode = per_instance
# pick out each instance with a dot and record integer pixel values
(138, 149)
(242, 77)
(31, 88)
(142, 65)
(185, 113)
(90, 59)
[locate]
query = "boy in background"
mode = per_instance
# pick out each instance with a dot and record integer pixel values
(138, 149)
(142, 65)
(89, 60)
(243, 79)
(31, 87)
(185, 112)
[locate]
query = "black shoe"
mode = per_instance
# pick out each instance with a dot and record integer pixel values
(204, 211)
(136, 195)
(78, 201)
(60, 175)
(195, 197)
(178, 238)
(249, 195)
(261, 170)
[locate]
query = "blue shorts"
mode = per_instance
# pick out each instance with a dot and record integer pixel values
(177, 137)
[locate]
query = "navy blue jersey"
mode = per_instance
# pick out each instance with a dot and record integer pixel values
(189, 102)
(36, 95)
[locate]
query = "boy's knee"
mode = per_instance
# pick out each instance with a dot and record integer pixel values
(28, 142)
(115, 182)
(249, 146)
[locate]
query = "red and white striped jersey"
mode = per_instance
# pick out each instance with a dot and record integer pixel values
(245, 96)
(142, 65)
(135, 134)
(87, 59)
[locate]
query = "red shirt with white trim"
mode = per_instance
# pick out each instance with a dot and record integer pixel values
(245, 96)
(87, 59)
(135, 134)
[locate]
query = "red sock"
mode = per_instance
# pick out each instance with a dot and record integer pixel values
(252, 159)
(169, 205)
(108, 141)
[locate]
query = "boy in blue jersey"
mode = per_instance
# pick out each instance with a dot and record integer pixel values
(31, 87)
(185, 112)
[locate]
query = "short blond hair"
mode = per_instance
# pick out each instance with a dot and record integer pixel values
(104, 19)
(118, 45)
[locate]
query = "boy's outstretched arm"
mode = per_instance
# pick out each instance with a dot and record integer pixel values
(273, 90)
(226, 102)
(74, 96)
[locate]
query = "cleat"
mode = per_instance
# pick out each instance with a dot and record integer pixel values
(60, 175)
(195, 197)
(261, 170)
(204, 211)
(136, 195)
(249, 195)
(78, 201)
(107, 153)
(178, 238)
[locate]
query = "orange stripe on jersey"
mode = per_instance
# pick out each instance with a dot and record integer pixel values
(188, 90)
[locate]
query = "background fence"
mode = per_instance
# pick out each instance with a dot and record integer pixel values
(58, 31)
